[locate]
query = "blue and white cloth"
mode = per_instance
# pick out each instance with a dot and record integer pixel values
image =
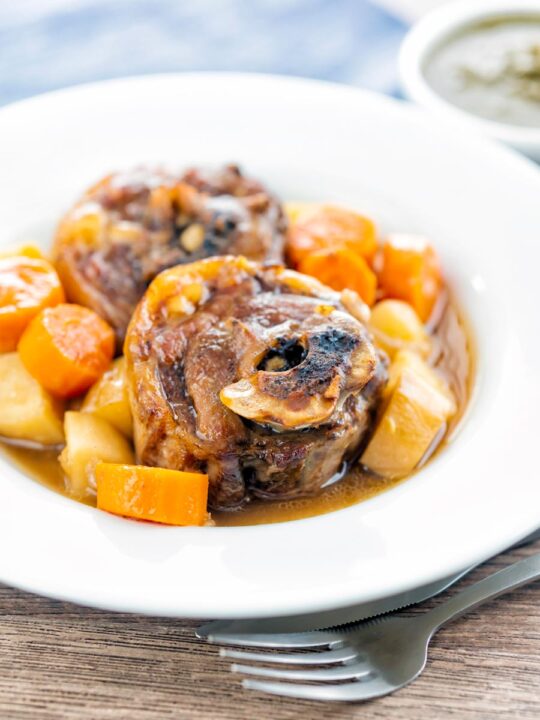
(49, 44)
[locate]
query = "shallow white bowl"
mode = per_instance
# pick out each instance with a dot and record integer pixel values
(434, 30)
(309, 140)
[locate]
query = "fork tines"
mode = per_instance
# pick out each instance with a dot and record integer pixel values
(319, 657)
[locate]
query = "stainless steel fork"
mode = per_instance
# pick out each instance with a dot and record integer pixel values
(370, 660)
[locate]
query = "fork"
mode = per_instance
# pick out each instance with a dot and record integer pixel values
(367, 661)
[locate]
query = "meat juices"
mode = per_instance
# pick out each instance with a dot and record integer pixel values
(257, 375)
(131, 226)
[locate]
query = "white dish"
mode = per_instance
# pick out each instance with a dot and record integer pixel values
(432, 31)
(308, 140)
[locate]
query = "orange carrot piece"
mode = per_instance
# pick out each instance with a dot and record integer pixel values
(27, 285)
(331, 228)
(164, 496)
(342, 269)
(67, 348)
(410, 271)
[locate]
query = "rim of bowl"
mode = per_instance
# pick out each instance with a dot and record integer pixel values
(432, 31)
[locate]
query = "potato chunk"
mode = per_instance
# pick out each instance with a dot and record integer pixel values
(31, 251)
(296, 210)
(108, 398)
(419, 407)
(409, 362)
(395, 325)
(90, 439)
(28, 412)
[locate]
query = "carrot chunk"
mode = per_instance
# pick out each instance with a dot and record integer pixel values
(164, 496)
(330, 228)
(342, 269)
(411, 271)
(27, 285)
(67, 348)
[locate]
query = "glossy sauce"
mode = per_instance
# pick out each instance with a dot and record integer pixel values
(453, 357)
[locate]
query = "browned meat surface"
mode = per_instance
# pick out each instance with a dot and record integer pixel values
(257, 375)
(129, 227)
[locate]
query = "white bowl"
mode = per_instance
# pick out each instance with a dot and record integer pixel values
(431, 32)
(308, 140)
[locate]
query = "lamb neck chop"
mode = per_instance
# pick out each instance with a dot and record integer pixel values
(259, 376)
(131, 226)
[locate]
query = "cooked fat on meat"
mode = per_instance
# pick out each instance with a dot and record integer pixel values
(258, 375)
(131, 226)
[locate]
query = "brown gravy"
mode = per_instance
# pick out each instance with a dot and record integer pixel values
(453, 357)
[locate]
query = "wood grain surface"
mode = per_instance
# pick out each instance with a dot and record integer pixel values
(59, 660)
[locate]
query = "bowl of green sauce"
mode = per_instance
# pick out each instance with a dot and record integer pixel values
(477, 62)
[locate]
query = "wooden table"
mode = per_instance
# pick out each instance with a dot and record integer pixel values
(62, 661)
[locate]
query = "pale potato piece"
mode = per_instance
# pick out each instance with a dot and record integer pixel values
(31, 251)
(395, 326)
(296, 210)
(28, 411)
(409, 361)
(90, 439)
(418, 409)
(108, 398)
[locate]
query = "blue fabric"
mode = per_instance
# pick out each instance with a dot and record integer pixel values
(48, 44)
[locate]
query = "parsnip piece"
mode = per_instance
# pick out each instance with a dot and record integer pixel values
(90, 439)
(395, 325)
(28, 411)
(418, 409)
(108, 398)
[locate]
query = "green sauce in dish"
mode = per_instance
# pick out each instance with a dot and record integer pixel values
(492, 70)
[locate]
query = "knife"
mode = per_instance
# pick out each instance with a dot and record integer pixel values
(341, 616)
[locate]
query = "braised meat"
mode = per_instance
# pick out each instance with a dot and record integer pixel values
(129, 227)
(260, 376)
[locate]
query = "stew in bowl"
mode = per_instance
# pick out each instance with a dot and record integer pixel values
(194, 351)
